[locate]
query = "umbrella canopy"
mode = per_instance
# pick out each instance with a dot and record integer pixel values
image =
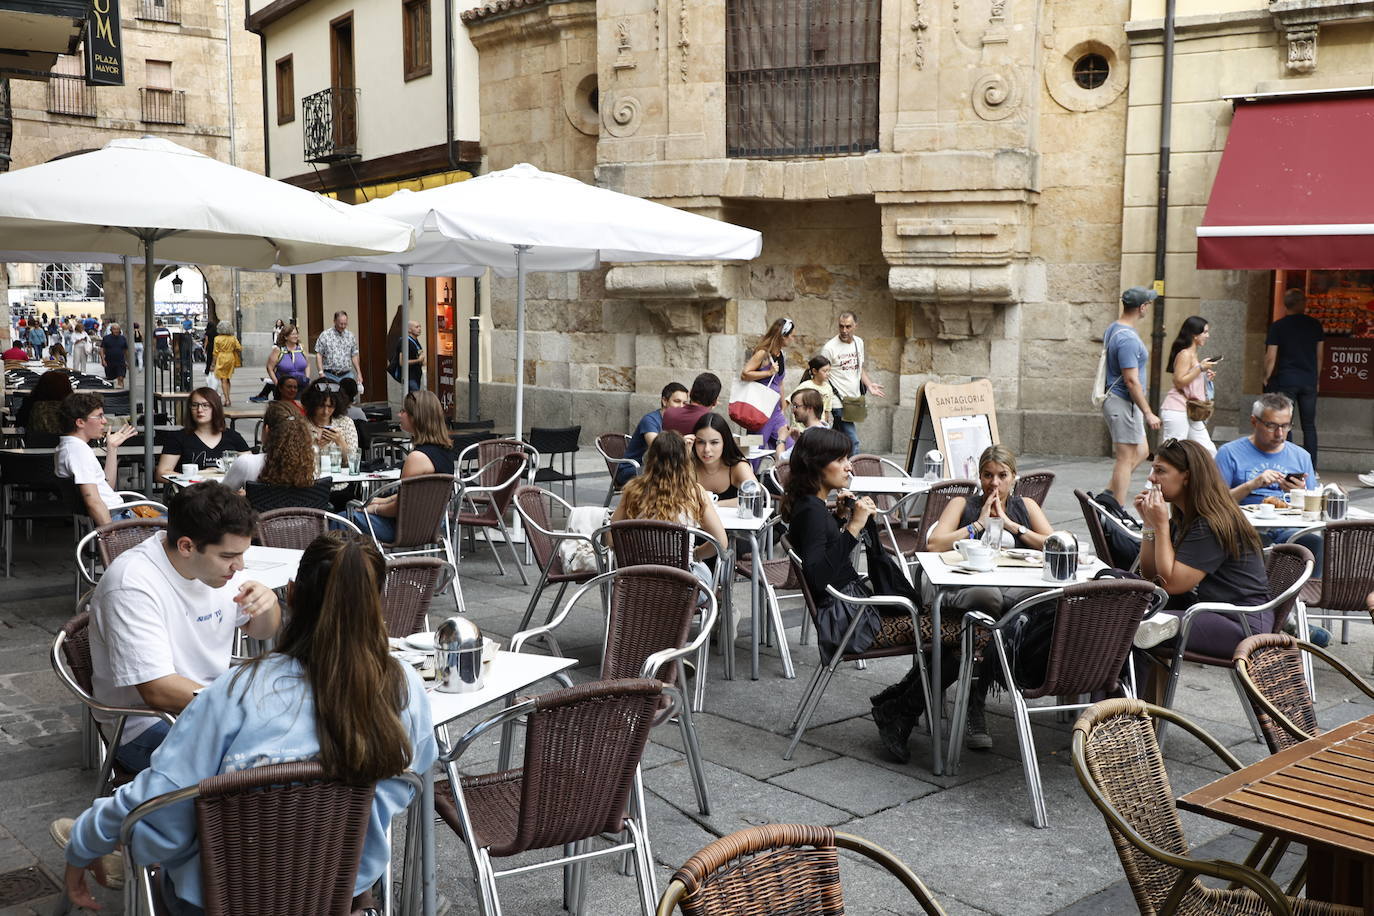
(522, 219)
(152, 198)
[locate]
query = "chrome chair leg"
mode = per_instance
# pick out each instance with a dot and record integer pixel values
(819, 682)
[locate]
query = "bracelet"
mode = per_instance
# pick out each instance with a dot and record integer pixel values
(1147, 534)
(972, 534)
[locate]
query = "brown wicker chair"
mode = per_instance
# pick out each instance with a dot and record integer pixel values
(534, 505)
(1347, 574)
(1289, 566)
(264, 497)
(408, 590)
(1118, 761)
(649, 617)
(295, 528)
(1269, 668)
(424, 509)
(71, 661)
(580, 775)
(903, 640)
(1035, 486)
(907, 542)
(612, 447)
(648, 542)
(779, 868)
(111, 540)
(1096, 517)
(273, 839)
(484, 505)
(1094, 624)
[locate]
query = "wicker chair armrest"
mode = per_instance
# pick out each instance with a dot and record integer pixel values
(899, 502)
(140, 502)
(509, 714)
(134, 493)
(517, 641)
(466, 481)
(1303, 532)
(654, 662)
(875, 601)
(888, 462)
(630, 461)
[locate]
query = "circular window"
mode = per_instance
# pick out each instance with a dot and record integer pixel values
(1090, 71)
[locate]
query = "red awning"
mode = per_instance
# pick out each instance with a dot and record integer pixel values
(1294, 190)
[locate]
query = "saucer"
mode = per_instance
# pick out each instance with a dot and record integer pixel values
(967, 566)
(422, 641)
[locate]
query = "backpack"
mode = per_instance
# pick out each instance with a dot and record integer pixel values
(1100, 380)
(1124, 549)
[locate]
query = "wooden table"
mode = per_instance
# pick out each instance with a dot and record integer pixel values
(1319, 793)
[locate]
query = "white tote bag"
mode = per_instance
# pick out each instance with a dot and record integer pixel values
(1100, 380)
(751, 404)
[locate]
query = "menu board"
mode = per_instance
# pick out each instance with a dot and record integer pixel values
(1347, 368)
(959, 420)
(1343, 301)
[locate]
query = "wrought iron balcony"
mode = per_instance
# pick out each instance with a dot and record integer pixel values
(69, 95)
(159, 10)
(164, 106)
(331, 125)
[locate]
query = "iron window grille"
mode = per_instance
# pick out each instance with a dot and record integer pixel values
(331, 124)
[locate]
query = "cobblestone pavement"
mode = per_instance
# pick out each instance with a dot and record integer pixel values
(969, 836)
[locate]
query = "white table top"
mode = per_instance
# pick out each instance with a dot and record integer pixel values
(181, 480)
(895, 486)
(125, 451)
(1289, 518)
(942, 574)
(508, 673)
(272, 566)
(731, 521)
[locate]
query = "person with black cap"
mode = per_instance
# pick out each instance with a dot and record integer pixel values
(1126, 409)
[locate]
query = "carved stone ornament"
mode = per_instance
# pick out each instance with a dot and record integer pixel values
(624, 60)
(1302, 48)
(919, 24)
(683, 42)
(622, 115)
(994, 96)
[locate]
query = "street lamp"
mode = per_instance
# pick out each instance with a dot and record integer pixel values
(177, 284)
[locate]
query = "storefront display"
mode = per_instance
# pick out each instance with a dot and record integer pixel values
(1343, 301)
(443, 363)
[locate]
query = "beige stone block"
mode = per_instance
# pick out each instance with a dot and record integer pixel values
(725, 355)
(917, 358)
(961, 357)
(592, 348)
(551, 374)
(884, 171)
(1044, 321)
(684, 351)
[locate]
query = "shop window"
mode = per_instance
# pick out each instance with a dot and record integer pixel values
(801, 77)
(286, 90)
(415, 35)
(1090, 71)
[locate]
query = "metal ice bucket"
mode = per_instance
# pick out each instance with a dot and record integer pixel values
(1061, 557)
(458, 656)
(1334, 503)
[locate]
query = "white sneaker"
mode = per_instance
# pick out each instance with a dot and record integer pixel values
(61, 832)
(1155, 629)
(1367, 479)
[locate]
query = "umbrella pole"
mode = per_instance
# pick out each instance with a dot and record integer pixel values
(403, 354)
(132, 370)
(520, 340)
(149, 401)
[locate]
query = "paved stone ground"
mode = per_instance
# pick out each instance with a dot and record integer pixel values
(968, 836)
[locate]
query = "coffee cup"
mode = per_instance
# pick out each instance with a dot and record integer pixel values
(981, 557)
(190, 470)
(1311, 505)
(963, 546)
(1266, 510)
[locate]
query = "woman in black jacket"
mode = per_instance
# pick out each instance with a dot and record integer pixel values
(824, 541)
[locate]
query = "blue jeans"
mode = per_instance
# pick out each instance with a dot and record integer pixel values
(135, 754)
(384, 528)
(849, 429)
(1312, 542)
(339, 376)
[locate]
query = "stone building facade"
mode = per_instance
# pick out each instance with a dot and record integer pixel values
(191, 76)
(979, 235)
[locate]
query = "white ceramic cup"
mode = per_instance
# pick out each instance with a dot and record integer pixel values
(1266, 510)
(982, 557)
(963, 546)
(190, 470)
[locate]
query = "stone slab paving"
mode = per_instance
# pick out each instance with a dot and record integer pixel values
(969, 836)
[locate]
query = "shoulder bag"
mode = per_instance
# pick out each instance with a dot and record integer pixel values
(856, 409)
(1100, 380)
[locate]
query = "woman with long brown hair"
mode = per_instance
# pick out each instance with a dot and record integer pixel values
(290, 460)
(768, 364)
(1198, 546)
(203, 439)
(720, 466)
(329, 692)
(667, 489)
(422, 415)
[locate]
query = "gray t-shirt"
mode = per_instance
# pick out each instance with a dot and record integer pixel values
(1235, 580)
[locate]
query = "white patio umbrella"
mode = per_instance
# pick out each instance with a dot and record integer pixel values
(521, 219)
(152, 198)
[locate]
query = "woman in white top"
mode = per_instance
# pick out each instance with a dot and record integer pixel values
(1191, 375)
(667, 489)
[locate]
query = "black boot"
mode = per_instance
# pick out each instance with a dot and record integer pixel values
(895, 722)
(976, 737)
(899, 689)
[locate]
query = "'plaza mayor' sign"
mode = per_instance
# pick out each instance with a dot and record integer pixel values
(104, 56)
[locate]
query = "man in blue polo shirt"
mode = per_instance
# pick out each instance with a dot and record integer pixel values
(674, 394)
(1266, 464)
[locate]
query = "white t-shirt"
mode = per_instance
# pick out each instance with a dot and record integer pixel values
(149, 621)
(846, 365)
(244, 469)
(76, 459)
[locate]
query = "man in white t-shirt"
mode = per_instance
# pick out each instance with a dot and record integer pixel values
(164, 614)
(83, 420)
(849, 372)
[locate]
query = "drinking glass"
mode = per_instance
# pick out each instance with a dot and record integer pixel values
(227, 459)
(354, 462)
(993, 535)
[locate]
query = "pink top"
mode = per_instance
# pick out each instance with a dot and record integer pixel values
(1177, 398)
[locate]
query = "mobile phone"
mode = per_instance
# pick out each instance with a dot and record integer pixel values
(1295, 477)
(1216, 359)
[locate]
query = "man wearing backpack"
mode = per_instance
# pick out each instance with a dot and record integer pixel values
(1125, 409)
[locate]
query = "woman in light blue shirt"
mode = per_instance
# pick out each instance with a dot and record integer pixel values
(371, 723)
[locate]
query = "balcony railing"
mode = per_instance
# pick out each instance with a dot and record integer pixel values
(159, 10)
(331, 125)
(164, 106)
(69, 95)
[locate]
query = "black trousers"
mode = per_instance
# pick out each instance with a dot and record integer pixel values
(1305, 408)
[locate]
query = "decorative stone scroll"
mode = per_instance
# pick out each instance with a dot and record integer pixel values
(622, 115)
(994, 96)
(919, 24)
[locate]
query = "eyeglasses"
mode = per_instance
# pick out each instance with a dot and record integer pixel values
(200, 405)
(1274, 427)
(326, 386)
